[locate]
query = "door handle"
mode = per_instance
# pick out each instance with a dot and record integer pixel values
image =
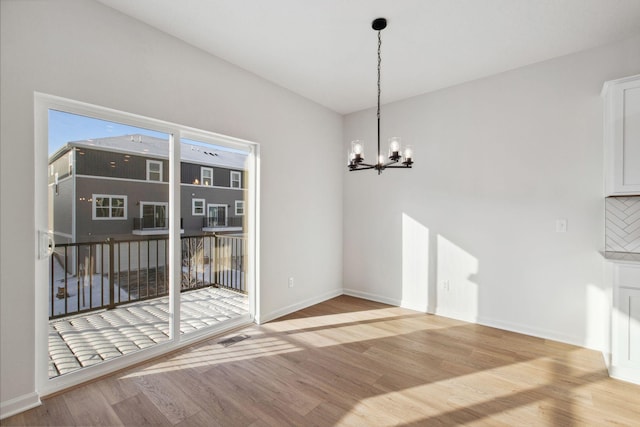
(46, 244)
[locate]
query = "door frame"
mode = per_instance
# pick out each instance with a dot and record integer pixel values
(42, 104)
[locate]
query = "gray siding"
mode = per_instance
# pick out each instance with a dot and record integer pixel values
(60, 166)
(88, 229)
(62, 206)
(115, 165)
(189, 172)
(193, 224)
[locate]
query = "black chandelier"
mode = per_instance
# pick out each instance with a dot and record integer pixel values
(356, 155)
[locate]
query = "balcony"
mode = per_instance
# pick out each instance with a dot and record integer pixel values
(112, 298)
(218, 224)
(152, 226)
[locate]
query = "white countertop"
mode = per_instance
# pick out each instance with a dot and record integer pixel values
(623, 257)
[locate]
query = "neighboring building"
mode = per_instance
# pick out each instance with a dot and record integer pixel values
(118, 187)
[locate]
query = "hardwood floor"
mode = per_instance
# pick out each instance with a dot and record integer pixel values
(353, 362)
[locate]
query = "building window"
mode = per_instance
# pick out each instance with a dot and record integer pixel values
(216, 215)
(71, 162)
(206, 176)
(154, 170)
(154, 215)
(239, 207)
(236, 179)
(109, 207)
(197, 207)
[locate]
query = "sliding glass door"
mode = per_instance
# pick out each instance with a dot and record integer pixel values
(146, 238)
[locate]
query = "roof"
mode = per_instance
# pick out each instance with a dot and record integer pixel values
(148, 146)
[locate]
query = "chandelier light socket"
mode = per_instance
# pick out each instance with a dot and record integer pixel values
(394, 148)
(408, 155)
(357, 148)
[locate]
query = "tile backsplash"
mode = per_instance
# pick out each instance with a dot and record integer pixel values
(622, 224)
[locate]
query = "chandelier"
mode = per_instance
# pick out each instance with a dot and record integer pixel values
(356, 155)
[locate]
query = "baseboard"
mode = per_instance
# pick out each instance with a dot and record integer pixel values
(372, 297)
(621, 373)
(534, 332)
(412, 305)
(298, 306)
(485, 321)
(19, 404)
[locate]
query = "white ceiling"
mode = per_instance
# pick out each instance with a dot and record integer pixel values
(325, 50)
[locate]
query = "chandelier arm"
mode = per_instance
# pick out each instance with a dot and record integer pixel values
(363, 168)
(366, 164)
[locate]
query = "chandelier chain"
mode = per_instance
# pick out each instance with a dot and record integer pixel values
(379, 62)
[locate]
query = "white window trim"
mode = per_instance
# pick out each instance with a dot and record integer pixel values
(239, 203)
(154, 162)
(193, 207)
(109, 218)
(202, 170)
(238, 179)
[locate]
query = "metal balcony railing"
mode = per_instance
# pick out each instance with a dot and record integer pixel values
(152, 223)
(93, 276)
(216, 222)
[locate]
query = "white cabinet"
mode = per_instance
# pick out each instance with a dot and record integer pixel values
(622, 136)
(625, 351)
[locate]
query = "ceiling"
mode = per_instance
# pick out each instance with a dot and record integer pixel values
(325, 50)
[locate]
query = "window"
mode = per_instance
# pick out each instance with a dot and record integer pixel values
(236, 179)
(197, 207)
(109, 207)
(154, 215)
(239, 207)
(70, 162)
(216, 215)
(154, 170)
(206, 176)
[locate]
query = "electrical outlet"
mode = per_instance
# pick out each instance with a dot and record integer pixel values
(446, 285)
(291, 282)
(561, 225)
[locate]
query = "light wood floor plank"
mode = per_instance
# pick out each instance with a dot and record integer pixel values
(352, 362)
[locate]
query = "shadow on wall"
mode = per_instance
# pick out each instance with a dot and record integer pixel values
(449, 288)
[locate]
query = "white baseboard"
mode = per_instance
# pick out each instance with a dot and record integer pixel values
(630, 375)
(412, 305)
(298, 306)
(534, 332)
(372, 297)
(19, 404)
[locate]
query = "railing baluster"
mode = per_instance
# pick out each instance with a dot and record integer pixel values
(77, 251)
(112, 303)
(128, 271)
(90, 276)
(138, 280)
(148, 258)
(53, 284)
(66, 266)
(157, 266)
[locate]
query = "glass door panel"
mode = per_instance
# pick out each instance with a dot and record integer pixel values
(108, 275)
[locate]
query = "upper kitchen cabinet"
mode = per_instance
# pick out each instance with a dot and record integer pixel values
(622, 136)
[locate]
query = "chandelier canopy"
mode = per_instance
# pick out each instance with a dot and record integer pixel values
(397, 157)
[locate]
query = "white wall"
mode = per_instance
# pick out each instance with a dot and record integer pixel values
(498, 160)
(85, 51)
